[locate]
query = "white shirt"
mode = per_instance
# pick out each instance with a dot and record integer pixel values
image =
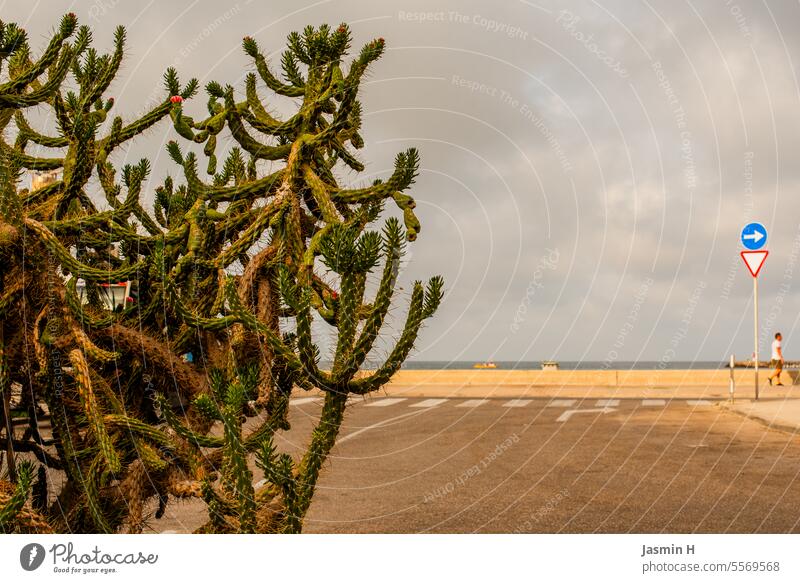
(776, 345)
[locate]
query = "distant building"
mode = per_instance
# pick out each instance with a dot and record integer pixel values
(115, 296)
(42, 179)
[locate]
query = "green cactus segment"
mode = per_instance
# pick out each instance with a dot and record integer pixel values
(238, 478)
(185, 432)
(323, 439)
(91, 409)
(231, 274)
(10, 508)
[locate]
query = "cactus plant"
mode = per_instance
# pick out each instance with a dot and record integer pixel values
(231, 269)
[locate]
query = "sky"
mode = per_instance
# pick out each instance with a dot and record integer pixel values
(586, 166)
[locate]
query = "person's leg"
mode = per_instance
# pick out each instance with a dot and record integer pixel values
(775, 373)
(778, 369)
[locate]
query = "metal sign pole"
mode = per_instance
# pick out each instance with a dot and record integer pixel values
(732, 366)
(755, 330)
(754, 237)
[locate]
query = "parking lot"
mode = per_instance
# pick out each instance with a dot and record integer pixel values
(545, 465)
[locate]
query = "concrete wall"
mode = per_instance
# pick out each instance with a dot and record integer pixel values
(581, 378)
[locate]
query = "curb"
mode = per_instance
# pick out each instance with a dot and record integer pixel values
(792, 429)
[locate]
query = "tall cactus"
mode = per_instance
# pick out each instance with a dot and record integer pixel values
(131, 418)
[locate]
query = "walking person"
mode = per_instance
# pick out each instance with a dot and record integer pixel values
(777, 360)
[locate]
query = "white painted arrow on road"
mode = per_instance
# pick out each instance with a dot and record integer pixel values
(567, 414)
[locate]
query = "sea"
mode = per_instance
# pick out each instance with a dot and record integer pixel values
(566, 365)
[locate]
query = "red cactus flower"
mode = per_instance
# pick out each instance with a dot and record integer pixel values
(176, 99)
(334, 295)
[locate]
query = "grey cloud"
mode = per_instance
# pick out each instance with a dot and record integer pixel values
(533, 140)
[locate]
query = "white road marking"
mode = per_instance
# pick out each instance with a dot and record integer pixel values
(379, 424)
(561, 403)
(385, 402)
(427, 403)
(567, 414)
(517, 403)
(304, 400)
(472, 403)
(607, 402)
(698, 403)
(653, 402)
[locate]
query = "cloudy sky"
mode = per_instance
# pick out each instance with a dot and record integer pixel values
(587, 166)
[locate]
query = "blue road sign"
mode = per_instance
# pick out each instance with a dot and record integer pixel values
(754, 236)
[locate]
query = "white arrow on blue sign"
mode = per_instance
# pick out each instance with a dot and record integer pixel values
(754, 236)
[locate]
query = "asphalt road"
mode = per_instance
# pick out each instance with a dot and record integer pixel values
(542, 465)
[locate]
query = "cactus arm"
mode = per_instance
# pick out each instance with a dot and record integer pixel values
(191, 319)
(401, 350)
(76, 267)
(30, 162)
(307, 350)
(109, 72)
(51, 189)
(393, 249)
(323, 439)
(137, 427)
(26, 132)
(90, 483)
(253, 146)
(54, 47)
(275, 342)
(255, 105)
(84, 383)
(347, 322)
(251, 48)
(42, 94)
(250, 235)
(11, 506)
(240, 476)
(182, 430)
(321, 195)
(404, 174)
(110, 142)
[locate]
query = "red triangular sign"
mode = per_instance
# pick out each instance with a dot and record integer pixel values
(754, 260)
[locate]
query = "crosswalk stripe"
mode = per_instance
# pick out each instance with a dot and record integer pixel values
(653, 402)
(517, 403)
(561, 403)
(303, 401)
(472, 403)
(698, 403)
(607, 402)
(429, 403)
(385, 402)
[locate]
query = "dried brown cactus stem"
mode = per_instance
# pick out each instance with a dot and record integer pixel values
(158, 357)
